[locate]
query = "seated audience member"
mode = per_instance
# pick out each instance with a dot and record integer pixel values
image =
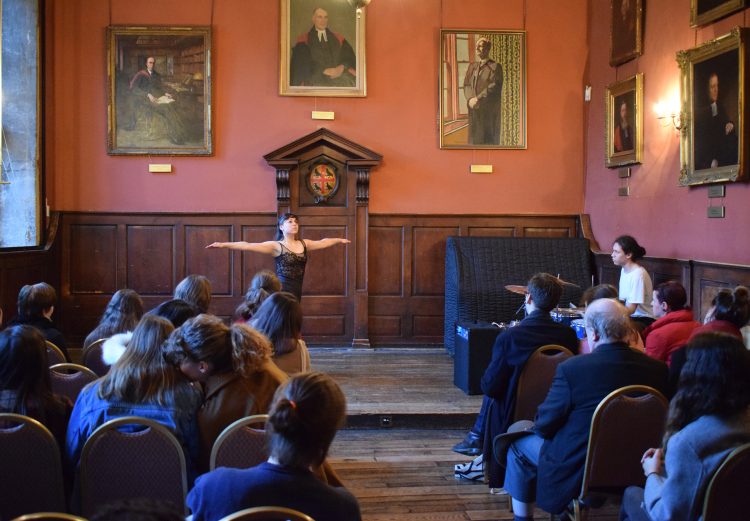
(708, 418)
(233, 364)
(36, 304)
(264, 284)
(24, 380)
(547, 465)
(728, 313)
(140, 383)
(121, 315)
(305, 414)
(177, 311)
(280, 319)
(195, 290)
(512, 349)
(593, 293)
(674, 321)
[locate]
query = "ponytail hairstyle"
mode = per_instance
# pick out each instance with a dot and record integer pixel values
(35, 299)
(714, 380)
(732, 306)
(122, 314)
(283, 218)
(23, 369)
(141, 375)
(280, 319)
(206, 338)
(195, 290)
(263, 285)
(305, 414)
(630, 247)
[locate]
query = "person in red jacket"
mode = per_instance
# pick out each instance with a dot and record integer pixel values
(674, 323)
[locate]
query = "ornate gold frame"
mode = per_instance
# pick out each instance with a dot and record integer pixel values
(616, 159)
(198, 90)
(285, 89)
(638, 49)
(725, 9)
(689, 175)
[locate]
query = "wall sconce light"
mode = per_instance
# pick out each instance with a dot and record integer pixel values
(667, 114)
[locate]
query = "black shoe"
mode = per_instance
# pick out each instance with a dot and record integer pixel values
(471, 445)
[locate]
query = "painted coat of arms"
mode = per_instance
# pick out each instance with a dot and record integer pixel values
(322, 181)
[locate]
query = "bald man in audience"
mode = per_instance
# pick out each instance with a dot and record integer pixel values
(547, 465)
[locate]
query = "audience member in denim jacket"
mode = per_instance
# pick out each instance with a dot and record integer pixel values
(140, 383)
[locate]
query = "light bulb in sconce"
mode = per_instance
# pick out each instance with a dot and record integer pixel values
(669, 113)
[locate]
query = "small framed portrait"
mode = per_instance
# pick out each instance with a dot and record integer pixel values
(713, 82)
(626, 31)
(159, 90)
(704, 12)
(323, 48)
(624, 122)
(482, 89)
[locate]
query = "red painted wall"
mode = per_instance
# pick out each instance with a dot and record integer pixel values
(397, 119)
(669, 220)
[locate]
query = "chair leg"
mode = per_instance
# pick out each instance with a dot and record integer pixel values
(576, 510)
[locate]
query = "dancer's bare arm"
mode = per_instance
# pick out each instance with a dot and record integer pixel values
(324, 243)
(267, 247)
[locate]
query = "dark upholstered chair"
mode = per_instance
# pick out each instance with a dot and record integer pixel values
(267, 514)
(69, 379)
(536, 379)
(49, 516)
(31, 477)
(54, 354)
(92, 357)
(726, 495)
(625, 424)
(143, 460)
(242, 444)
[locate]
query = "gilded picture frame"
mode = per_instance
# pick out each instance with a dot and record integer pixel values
(624, 122)
(713, 83)
(159, 91)
(482, 89)
(703, 12)
(626, 31)
(323, 48)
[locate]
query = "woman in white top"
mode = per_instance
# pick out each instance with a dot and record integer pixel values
(635, 284)
(280, 319)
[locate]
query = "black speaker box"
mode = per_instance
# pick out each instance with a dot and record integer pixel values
(474, 343)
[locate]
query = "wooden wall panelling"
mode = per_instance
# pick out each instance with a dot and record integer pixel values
(407, 267)
(252, 263)
(150, 264)
(202, 261)
(28, 266)
(709, 278)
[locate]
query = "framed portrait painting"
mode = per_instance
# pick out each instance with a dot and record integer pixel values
(626, 31)
(624, 122)
(159, 90)
(703, 12)
(713, 82)
(323, 48)
(482, 89)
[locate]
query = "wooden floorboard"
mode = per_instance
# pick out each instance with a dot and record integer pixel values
(405, 474)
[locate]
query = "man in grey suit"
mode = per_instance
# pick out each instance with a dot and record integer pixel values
(483, 87)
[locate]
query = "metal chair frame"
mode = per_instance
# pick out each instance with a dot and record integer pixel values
(230, 430)
(269, 513)
(738, 456)
(61, 372)
(93, 345)
(55, 465)
(51, 347)
(49, 516)
(114, 425)
(594, 430)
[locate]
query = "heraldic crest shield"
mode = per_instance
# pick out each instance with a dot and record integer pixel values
(323, 180)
